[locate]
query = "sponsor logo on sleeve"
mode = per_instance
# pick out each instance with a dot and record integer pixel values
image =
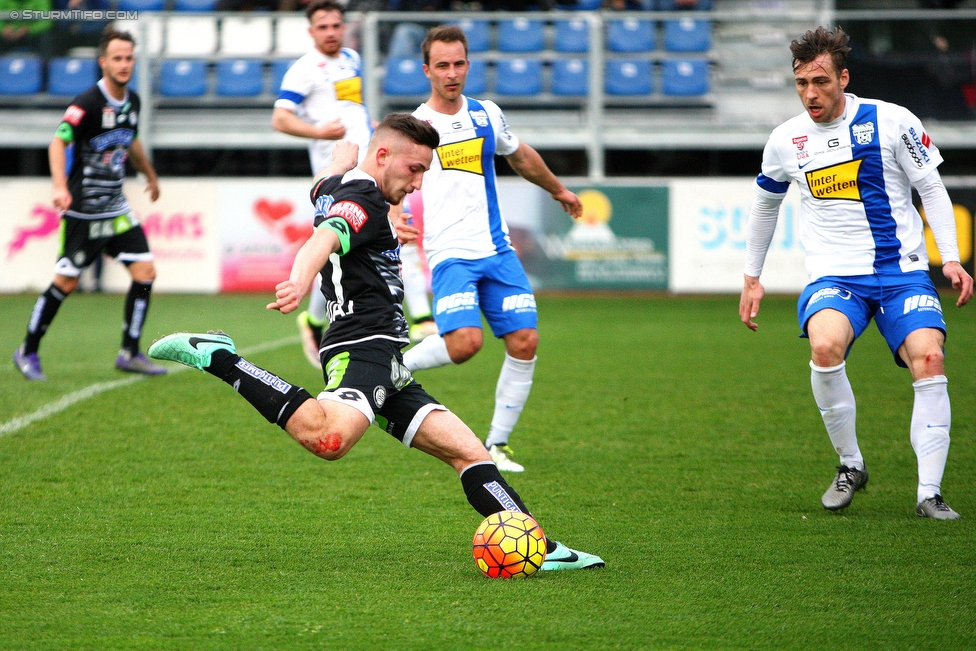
(351, 212)
(863, 133)
(835, 182)
(911, 151)
(464, 156)
(73, 115)
(923, 143)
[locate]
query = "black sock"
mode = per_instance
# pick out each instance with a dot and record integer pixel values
(136, 307)
(488, 492)
(274, 398)
(45, 308)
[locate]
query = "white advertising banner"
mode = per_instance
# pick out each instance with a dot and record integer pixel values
(708, 219)
(181, 228)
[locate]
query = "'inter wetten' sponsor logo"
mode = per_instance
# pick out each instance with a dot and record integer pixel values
(835, 182)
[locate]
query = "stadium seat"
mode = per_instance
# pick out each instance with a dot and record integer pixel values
(183, 78)
(191, 36)
(477, 82)
(630, 35)
(291, 37)
(518, 77)
(478, 33)
(687, 35)
(405, 77)
(245, 36)
(70, 76)
(141, 5)
(588, 5)
(278, 70)
(521, 35)
(685, 78)
(628, 77)
(20, 75)
(570, 77)
(572, 36)
(671, 5)
(195, 5)
(240, 77)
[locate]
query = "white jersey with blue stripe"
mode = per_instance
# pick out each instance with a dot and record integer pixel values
(854, 175)
(462, 216)
(319, 89)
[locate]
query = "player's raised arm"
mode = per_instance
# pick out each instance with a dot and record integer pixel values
(527, 162)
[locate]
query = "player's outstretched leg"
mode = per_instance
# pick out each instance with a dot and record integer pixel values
(194, 350)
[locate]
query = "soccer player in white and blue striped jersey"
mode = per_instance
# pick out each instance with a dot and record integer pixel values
(855, 162)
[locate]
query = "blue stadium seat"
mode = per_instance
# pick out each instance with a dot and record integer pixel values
(141, 5)
(478, 33)
(630, 35)
(570, 77)
(195, 5)
(183, 78)
(405, 77)
(521, 35)
(687, 35)
(477, 81)
(685, 78)
(628, 77)
(588, 5)
(518, 77)
(572, 36)
(278, 69)
(20, 75)
(71, 76)
(671, 5)
(240, 77)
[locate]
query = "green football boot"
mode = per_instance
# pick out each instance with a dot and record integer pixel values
(191, 349)
(564, 558)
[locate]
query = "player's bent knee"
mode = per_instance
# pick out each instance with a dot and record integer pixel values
(326, 446)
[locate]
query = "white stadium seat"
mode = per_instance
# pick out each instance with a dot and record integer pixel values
(242, 36)
(291, 36)
(191, 36)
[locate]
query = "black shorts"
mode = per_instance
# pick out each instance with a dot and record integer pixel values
(371, 377)
(82, 240)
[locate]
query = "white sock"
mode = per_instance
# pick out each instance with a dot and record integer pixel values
(931, 418)
(414, 282)
(429, 353)
(511, 393)
(316, 301)
(835, 398)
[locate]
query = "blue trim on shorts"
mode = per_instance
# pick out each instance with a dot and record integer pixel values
(495, 286)
(899, 304)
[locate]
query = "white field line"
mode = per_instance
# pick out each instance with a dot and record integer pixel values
(20, 422)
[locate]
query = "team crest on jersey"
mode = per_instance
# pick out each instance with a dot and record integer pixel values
(351, 212)
(480, 118)
(836, 181)
(863, 133)
(800, 142)
(464, 156)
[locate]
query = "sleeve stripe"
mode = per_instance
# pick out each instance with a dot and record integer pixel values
(771, 185)
(291, 96)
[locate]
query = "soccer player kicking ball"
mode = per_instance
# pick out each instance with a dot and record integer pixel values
(355, 246)
(855, 161)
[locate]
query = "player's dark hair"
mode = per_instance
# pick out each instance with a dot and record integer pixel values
(821, 41)
(110, 35)
(444, 34)
(417, 130)
(323, 5)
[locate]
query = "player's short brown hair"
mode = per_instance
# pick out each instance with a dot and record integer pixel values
(417, 130)
(821, 41)
(110, 35)
(323, 5)
(444, 34)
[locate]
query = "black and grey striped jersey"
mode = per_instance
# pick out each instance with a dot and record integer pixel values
(361, 282)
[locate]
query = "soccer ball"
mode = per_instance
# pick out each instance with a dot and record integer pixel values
(509, 544)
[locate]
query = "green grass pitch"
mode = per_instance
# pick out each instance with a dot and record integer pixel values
(660, 434)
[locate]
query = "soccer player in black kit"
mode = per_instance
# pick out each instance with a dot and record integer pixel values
(101, 128)
(355, 246)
